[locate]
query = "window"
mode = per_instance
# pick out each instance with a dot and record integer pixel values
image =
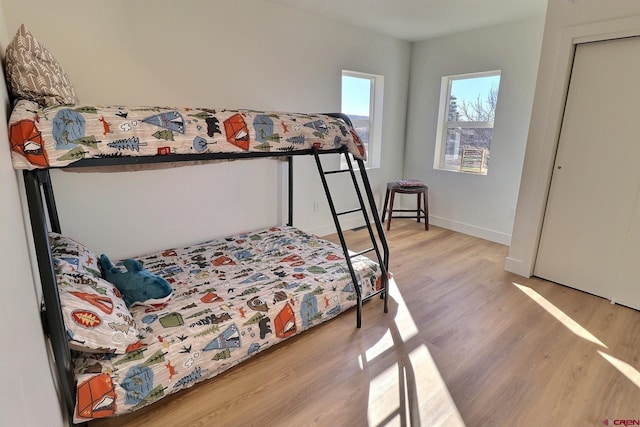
(362, 101)
(465, 122)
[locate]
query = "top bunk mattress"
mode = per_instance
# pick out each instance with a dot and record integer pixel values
(61, 135)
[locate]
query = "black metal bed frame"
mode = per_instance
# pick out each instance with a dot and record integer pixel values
(44, 218)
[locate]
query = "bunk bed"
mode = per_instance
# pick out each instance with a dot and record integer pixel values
(232, 297)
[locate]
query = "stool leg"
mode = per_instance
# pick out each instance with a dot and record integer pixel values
(393, 196)
(426, 210)
(384, 209)
(418, 209)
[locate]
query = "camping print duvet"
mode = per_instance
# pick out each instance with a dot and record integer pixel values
(233, 298)
(58, 136)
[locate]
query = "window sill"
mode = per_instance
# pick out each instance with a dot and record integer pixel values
(465, 172)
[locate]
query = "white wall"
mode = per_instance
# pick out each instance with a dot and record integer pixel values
(224, 53)
(26, 382)
(566, 24)
(478, 205)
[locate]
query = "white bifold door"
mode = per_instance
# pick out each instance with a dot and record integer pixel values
(591, 232)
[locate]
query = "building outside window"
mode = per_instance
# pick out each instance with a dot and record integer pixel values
(362, 95)
(465, 122)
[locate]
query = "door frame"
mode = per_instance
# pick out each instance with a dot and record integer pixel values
(544, 137)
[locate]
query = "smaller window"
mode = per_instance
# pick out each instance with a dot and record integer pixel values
(362, 101)
(465, 122)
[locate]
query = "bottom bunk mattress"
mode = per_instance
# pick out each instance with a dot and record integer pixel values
(232, 298)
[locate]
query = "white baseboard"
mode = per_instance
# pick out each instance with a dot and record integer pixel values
(472, 230)
(516, 266)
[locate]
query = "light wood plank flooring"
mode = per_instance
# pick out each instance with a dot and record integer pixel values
(464, 343)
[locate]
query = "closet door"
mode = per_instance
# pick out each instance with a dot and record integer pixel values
(591, 233)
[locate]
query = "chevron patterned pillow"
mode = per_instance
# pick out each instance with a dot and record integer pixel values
(33, 73)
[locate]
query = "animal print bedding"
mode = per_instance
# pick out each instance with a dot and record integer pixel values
(60, 135)
(233, 298)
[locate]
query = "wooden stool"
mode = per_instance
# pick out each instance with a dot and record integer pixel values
(421, 212)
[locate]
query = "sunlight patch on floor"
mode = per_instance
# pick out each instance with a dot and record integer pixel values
(407, 328)
(385, 343)
(406, 332)
(410, 391)
(627, 370)
(384, 398)
(567, 321)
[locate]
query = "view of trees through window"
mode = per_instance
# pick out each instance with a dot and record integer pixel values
(472, 101)
(362, 95)
(356, 103)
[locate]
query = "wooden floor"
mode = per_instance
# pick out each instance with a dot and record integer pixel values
(464, 343)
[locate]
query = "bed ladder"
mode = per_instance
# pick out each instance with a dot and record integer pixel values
(382, 257)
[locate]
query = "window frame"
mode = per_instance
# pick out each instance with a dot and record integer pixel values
(376, 94)
(444, 124)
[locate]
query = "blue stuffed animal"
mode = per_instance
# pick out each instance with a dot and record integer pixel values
(136, 285)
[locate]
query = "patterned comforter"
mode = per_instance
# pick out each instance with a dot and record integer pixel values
(233, 298)
(58, 136)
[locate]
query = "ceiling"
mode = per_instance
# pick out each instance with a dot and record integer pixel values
(415, 20)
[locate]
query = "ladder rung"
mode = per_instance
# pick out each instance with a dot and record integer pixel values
(336, 171)
(361, 253)
(373, 294)
(348, 212)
